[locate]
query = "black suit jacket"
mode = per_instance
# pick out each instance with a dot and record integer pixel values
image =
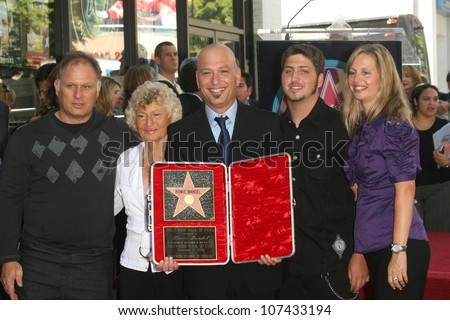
(190, 103)
(256, 133)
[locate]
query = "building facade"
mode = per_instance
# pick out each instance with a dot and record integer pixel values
(34, 32)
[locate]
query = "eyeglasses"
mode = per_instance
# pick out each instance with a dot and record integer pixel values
(6, 88)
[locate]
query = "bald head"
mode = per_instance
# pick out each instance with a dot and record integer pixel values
(218, 48)
(218, 76)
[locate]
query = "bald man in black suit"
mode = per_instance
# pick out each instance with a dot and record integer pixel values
(253, 133)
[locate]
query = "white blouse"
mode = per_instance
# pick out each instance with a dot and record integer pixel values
(129, 193)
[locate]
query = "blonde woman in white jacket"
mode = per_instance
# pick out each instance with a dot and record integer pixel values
(152, 107)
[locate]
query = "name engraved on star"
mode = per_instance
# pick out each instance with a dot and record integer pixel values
(188, 195)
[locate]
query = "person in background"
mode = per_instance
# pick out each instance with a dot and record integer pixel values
(382, 166)
(191, 97)
(152, 107)
(166, 57)
(444, 101)
(49, 99)
(110, 96)
(7, 95)
(42, 84)
(433, 182)
(57, 194)
(134, 77)
(123, 68)
(448, 81)
(323, 266)
(7, 99)
(252, 133)
(411, 77)
(245, 88)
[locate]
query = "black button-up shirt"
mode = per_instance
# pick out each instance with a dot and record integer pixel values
(324, 210)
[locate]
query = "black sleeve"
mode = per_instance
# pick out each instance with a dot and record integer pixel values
(14, 178)
(272, 142)
(444, 96)
(173, 150)
(4, 122)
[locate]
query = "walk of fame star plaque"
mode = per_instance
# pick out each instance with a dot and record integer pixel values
(192, 217)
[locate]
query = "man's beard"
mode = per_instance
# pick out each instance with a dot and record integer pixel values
(303, 97)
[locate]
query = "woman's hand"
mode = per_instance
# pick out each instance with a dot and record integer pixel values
(166, 265)
(397, 275)
(443, 107)
(441, 159)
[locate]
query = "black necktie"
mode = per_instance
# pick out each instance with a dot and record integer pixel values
(224, 138)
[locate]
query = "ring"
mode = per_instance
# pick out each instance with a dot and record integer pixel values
(395, 279)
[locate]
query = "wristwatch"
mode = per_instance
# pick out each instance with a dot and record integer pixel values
(397, 248)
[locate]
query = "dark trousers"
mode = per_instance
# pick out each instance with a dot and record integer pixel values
(418, 259)
(226, 282)
(51, 275)
(138, 285)
(333, 285)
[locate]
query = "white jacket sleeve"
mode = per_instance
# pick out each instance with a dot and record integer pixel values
(118, 200)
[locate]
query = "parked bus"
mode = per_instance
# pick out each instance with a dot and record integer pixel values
(409, 23)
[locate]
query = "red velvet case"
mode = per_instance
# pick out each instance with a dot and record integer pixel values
(190, 220)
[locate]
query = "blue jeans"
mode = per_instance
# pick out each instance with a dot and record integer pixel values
(53, 275)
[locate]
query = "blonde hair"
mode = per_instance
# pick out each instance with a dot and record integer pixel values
(390, 99)
(152, 92)
(103, 103)
(413, 73)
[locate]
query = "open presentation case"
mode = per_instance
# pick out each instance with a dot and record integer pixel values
(202, 212)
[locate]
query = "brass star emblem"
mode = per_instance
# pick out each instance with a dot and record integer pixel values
(188, 196)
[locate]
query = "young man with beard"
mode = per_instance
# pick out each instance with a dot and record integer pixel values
(324, 266)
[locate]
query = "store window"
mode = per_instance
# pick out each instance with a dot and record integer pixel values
(156, 22)
(215, 11)
(26, 42)
(199, 38)
(97, 27)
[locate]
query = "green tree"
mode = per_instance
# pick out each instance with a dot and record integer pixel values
(218, 11)
(33, 13)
